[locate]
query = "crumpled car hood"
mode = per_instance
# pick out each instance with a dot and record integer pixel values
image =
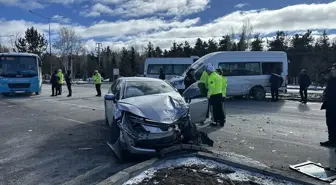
(162, 108)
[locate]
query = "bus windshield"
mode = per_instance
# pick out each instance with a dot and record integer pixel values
(18, 65)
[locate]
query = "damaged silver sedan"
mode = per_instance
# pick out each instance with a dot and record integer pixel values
(146, 115)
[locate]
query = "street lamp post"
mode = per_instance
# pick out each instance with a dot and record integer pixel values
(49, 21)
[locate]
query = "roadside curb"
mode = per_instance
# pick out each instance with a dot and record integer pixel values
(126, 174)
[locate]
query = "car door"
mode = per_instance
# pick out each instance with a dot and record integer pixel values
(110, 106)
(198, 103)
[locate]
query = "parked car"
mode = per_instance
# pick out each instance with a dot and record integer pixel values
(146, 115)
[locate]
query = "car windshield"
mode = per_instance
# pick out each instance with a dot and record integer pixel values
(18, 65)
(142, 88)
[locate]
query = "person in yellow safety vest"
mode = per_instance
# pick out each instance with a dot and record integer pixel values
(97, 81)
(204, 79)
(224, 86)
(60, 82)
(215, 94)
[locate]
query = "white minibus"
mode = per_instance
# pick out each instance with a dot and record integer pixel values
(248, 72)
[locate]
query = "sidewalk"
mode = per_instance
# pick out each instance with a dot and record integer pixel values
(312, 87)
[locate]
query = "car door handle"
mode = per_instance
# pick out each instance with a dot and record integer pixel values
(205, 101)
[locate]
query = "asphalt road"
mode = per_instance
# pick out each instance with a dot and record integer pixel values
(59, 140)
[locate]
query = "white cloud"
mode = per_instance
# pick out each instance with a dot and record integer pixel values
(25, 4)
(162, 32)
(135, 8)
(60, 19)
(241, 5)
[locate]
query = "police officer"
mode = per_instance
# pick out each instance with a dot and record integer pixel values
(60, 81)
(215, 94)
(54, 83)
(68, 82)
(224, 86)
(204, 80)
(329, 104)
(97, 82)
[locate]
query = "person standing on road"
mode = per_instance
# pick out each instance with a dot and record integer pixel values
(190, 78)
(162, 75)
(224, 86)
(97, 81)
(276, 82)
(60, 81)
(215, 95)
(54, 83)
(329, 104)
(204, 80)
(304, 82)
(68, 82)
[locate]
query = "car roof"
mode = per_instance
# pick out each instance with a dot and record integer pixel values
(135, 79)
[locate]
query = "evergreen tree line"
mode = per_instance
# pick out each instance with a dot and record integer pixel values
(303, 51)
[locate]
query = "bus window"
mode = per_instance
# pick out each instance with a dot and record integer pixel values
(178, 69)
(154, 69)
(271, 67)
(240, 68)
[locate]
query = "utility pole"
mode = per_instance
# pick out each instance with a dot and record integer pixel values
(1, 39)
(98, 48)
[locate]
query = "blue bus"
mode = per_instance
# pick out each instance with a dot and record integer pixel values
(20, 73)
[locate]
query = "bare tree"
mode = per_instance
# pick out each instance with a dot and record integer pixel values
(68, 44)
(245, 36)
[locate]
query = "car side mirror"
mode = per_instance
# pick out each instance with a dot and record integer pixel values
(110, 97)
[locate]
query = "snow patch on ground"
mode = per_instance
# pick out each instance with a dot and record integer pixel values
(239, 175)
(237, 157)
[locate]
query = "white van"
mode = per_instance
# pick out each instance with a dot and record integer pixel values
(171, 66)
(248, 72)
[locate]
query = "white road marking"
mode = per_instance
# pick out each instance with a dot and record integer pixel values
(78, 105)
(81, 122)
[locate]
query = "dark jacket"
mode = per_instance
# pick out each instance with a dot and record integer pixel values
(68, 78)
(329, 98)
(162, 76)
(189, 80)
(54, 79)
(304, 81)
(276, 80)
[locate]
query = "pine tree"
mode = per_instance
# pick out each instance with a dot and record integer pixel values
(133, 63)
(125, 64)
(150, 50)
(212, 46)
(279, 43)
(225, 44)
(33, 42)
(187, 50)
(257, 43)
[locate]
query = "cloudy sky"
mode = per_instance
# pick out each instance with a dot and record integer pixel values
(135, 22)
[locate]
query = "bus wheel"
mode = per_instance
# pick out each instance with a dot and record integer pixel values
(258, 93)
(37, 93)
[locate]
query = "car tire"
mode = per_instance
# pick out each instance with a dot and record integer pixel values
(259, 93)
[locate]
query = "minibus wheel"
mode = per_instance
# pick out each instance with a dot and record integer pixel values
(258, 93)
